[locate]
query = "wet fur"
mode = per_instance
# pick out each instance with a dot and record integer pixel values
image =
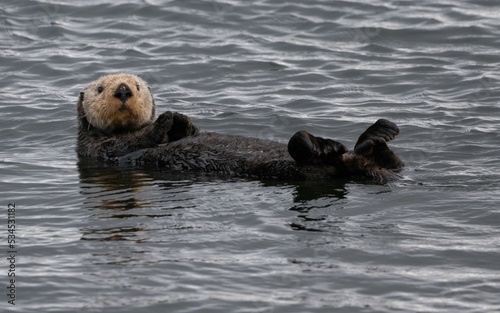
(118, 131)
(239, 156)
(108, 127)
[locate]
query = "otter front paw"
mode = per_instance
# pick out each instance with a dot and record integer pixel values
(161, 127)
(182, 127)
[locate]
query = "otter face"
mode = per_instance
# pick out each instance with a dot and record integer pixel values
(117, 102)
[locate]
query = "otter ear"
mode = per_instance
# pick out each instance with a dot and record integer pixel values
(79, 106)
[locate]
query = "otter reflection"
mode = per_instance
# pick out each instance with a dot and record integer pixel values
(113, 194)
(122, 200)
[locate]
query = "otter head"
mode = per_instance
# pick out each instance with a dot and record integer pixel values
(116, 102)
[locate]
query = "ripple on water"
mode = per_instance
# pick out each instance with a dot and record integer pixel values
(122, 240)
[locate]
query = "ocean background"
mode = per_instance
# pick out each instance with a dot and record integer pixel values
(131, 240)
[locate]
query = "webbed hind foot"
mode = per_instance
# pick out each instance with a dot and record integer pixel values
(307, 149)
(372, 145)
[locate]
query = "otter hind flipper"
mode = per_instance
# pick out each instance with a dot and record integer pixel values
(307, 149)
(381, 129)
(372, 144)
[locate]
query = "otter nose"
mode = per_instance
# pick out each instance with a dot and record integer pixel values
(123, 92)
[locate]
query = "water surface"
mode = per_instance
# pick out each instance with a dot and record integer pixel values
(130, 240)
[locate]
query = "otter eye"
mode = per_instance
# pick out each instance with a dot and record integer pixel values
(138, 88)
(100, 89)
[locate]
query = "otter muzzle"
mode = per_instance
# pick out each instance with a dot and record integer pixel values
(123, 93)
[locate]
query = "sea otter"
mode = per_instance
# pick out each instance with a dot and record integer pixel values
(117, 125)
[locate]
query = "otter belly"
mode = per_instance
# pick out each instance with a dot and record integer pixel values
(229, 156)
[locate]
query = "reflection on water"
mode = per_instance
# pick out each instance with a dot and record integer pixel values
(129, 193)
(112, 188)
(125, 193)
(128, 240)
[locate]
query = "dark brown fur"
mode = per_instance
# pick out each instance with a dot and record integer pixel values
(132, 136)
(259, 158)
(94, 143)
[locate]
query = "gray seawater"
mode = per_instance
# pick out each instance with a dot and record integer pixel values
(130, 240)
